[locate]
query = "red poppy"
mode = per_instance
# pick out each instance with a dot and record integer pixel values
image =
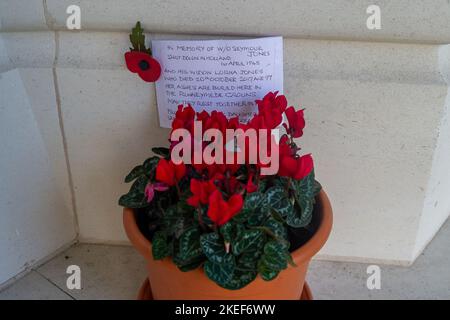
(169, 172)
(221, 211)
(201, 190)
(144, 65)
(296, 122)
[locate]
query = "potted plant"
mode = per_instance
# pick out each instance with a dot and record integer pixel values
(211, 229)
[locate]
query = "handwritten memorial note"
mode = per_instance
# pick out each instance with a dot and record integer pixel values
(225, 75)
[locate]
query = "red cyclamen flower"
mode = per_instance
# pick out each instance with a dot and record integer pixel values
(201, 190)
(184, 118)
(169, 172)
(215, 120)
(271, 108)
(296, 167)
(292, 165)
(221, 211)
(296, 122)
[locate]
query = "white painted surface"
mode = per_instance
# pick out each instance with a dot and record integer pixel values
(39, 87)
(437, 202)
(401, 20)
(377, 111)
(372, 125)
(373, 154)
(22, 15)
(111, 123)
(25, 49)
(34, 217)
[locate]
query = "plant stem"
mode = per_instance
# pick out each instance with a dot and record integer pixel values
(227, 182)
(288, 185)
(200, 218)
(178, 190)
(258, 175)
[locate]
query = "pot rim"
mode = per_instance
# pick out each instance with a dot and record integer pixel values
(303, 254)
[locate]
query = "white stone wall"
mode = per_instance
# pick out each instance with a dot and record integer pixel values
(376, 106)
(36, 214)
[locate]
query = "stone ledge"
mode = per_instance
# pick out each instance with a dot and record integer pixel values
(401, 20)
(27, 50)
(309, 59)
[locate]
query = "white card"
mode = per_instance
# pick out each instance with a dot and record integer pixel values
(223, 75)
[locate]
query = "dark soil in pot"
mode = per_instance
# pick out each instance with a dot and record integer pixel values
(145, 224)
(297, 236)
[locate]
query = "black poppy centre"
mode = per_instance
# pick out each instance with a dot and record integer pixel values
(144, 65)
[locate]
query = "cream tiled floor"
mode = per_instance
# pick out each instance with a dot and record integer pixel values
(116, 272)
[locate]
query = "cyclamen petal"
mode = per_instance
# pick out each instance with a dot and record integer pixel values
(158, 186)
(201, 191)
(164, 172)
(251, 187)
(180, 171)
(221, 211)
(296, 122)
(149, 192)
(184, 118)
(304, 166)
(150, 188)
(296, 167)
(235, 204)
(170, 173)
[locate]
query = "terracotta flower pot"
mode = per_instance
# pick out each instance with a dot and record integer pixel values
(167, 282)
